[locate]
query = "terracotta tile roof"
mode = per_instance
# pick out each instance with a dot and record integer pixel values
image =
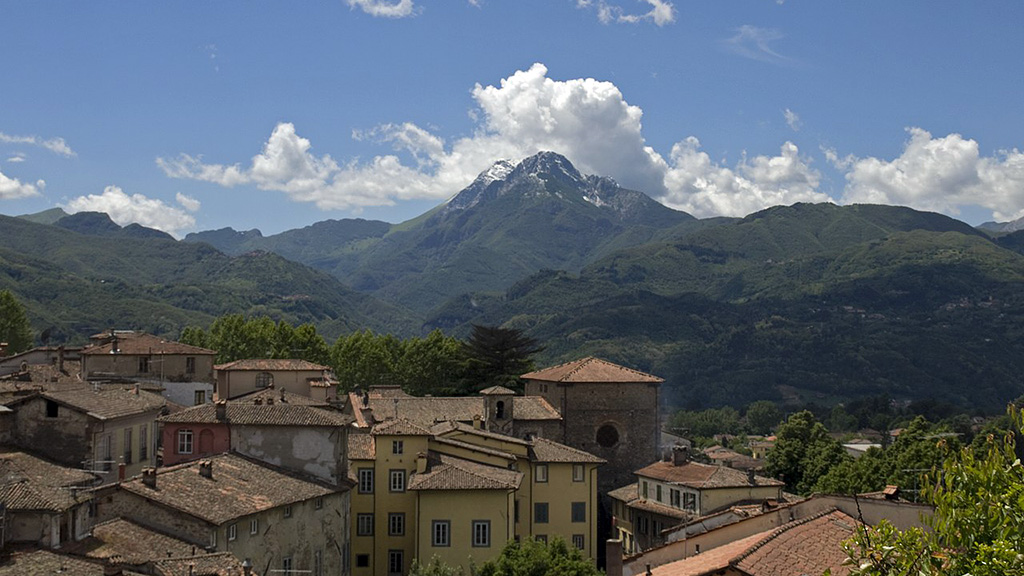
(143, 344)
(626, 494)
(127, 541)
(361, 447)
(216, 564)
(544, 450)
(496, 391)
(534, 408)
(238, 487)
(450, 473)
(399, 427)
(702, 476)
(245, 414)
(276, 395)
(387, 391)
(807, 546)
(425, 411)
(31, 483)
(451, 426)
(653, 507)
(591, 369)
(474, 447)
(107, 402)
(47, 563)
(270, 365)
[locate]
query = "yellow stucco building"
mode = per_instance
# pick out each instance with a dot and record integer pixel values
(460, 493)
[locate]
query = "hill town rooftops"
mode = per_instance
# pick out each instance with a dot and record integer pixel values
(446, 472)
(30, 483)
(592, 370)
(271, 365)
(425, 411)
(399, 427)
(144, 344)
(703, 476)
(249, 414)
(103, 402)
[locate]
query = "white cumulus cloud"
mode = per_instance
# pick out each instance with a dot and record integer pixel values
(125, 209)
(942, 174)
(187, 202)
(587, 120)
(55, 145)
(385, 8)
(661, 12)
(12, 188)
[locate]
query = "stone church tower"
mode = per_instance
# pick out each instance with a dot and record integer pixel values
(607, 410)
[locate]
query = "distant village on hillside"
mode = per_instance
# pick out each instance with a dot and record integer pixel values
(138, 455)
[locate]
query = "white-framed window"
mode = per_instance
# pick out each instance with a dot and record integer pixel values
(286, 564)
(318, 504)
(657, 492)
(366, 480)
(396, 481)
(481, 533)
(441, 533)
(364, 525)
(578, 473)
(199, 397)
(540, 473)
(396, 524)
(254, 526)
(184, 441)
(288, 511)
(578, 541)
(643, 489)
(397, 446)
(396, 562)
(232, 532)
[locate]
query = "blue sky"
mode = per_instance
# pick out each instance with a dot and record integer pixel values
(273, 115)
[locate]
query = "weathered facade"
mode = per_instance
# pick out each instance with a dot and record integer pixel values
(300, 377)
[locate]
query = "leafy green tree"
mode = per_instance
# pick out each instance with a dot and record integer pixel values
(707, 423)
(762, 417)
(534, 558)
(865, 474)
(803, 452)
(497, 356)
(431, 365)
(15, 328)
(977, 528)
(364, 359)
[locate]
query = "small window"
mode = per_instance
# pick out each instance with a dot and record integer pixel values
(362, 560)
(577, 473)
(364, 525)
(366, 480)
(190, 364)
(396, 524)
(127, 446)
(232, 532)
(642, 525)
(690, 501)
(264, 380)
(541, 473)
(397, 446)
(673, 498)
(396, 562)
(499, 410)
(516, 506)
(199, 397)
(577, 541)
(286, 564)
(579, 511)
(541, 538)
(254, 526)
(52, 409)
(657, 492)
(643, 489)
(441, 531)
(143, 364)
(396, 481)
(143, 442)
(287, 511)
(607, 436)
(318, 563)
(318, 504)
(184, 441)
(540, 512)
(481, 533)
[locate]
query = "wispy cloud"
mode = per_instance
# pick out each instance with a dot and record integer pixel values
(661, 13)
(792, 120)
(18, 157)
(211, 52)
(756, 43)
(55, 145)
(385, 8)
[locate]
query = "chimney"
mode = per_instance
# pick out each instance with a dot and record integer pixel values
(750, 477)
(206, 469)
(149, 477)
(477, 422)
(421, 463)
(258, 401)
(60, 358)
(680, 455)
(247, 567)
(135, 389)
(270, 400)
(120, 472)
(222, 410)
(282, 395)
(613, 558)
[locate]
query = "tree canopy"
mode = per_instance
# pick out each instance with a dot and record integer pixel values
(497, 356)
(803, 452)
(15, 329)
(534, 558)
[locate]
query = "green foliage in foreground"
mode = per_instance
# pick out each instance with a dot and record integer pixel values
(803, 453)
(978, 525)
(436, 568)
(15, 329)
(534, 558)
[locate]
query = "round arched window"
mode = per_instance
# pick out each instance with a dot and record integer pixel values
(607, 436)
